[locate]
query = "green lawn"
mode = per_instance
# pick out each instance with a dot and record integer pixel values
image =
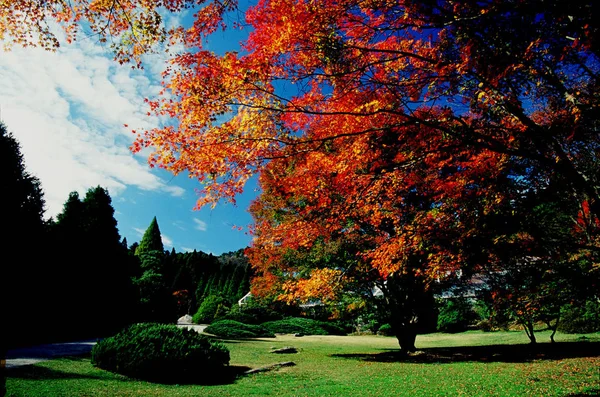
(468, 364)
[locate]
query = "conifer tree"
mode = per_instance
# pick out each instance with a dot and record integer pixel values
(24, 233)
(151, 241)
(156, 302)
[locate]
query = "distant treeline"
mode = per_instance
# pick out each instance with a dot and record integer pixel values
(204, 274)
(74, 277)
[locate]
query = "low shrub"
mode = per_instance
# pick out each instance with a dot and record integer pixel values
(234, 329)
(306, 326)
(385, 330)
(159, 352)
(485, 325)
(252, 313)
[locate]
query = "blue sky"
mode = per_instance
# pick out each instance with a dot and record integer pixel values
(68, 110)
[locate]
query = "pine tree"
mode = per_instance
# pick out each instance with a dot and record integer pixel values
(151, 241)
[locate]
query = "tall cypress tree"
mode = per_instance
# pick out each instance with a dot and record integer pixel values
(156, 302)
(151, 241)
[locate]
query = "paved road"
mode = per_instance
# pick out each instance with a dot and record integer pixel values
(36, 354)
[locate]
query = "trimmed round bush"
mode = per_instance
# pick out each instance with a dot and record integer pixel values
(306, 326)
(159, 352)
(234, 329)
(385, 330)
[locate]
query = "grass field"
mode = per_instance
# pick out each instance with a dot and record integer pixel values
(468, 364)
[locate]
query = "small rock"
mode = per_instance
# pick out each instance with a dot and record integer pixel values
(299, 334)
(187, 319)
(270, 367)
(285, 350)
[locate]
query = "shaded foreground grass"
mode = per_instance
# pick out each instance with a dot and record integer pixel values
(468, 364)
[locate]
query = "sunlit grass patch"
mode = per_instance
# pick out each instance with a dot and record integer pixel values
(358, 366)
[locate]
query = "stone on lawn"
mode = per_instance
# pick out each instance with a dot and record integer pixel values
(187, 319)
(285, 350)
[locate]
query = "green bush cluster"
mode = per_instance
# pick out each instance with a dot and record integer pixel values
(580, 319)
(456, 315)
(163, 353)
(235, 329)
(212, 308)
(385, 330)
(305, 326)
(252, 313)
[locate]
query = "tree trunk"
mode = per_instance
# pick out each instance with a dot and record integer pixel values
(407, 336)
(553, 328)
(528, 327)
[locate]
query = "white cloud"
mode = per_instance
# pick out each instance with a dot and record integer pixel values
(166, 240)
(187, 249)
(68, 109)
(140, 232)
(199, 225)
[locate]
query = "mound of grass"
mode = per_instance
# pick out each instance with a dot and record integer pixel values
(306, 326)
(163, 353)
(234, 329)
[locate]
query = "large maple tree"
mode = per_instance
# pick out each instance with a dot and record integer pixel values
(393, 127)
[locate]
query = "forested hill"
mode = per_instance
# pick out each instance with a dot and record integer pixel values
(202, 274)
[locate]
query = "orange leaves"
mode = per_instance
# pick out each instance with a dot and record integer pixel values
(384, 125)
(323, 284)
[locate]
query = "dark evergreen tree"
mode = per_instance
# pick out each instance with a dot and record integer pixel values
(93, 287)
(25, 234)
(109, 277)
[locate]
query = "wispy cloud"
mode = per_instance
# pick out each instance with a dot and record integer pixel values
(199, 224)
(166, 240)
(187, 249)
(179, 225)
(68, 110)
(140, 232)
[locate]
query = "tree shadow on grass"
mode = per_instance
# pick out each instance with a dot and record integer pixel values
(37, 372)
(226, 375)
(490, 353)
(595, 392)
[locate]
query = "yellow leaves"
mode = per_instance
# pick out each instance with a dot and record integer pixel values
(369, 107)
(133, 27)
(323, 284)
